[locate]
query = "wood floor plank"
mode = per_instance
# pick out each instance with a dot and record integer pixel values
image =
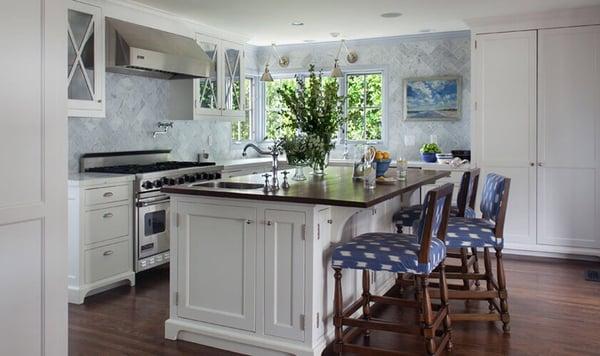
(554, 311)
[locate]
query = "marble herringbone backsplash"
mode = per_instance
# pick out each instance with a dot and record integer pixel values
(135, 105)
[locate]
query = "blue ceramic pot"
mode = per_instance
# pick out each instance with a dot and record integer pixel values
(429, 157)
(382, 166)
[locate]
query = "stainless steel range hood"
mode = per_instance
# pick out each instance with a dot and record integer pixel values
(139, 50)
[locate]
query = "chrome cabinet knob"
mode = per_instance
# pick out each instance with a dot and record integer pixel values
(540, 164)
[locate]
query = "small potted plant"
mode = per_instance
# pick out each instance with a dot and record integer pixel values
(429, 151)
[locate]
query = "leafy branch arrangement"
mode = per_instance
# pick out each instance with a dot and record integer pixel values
(312, 116)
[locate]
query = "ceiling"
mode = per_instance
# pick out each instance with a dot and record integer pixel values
(267, 21)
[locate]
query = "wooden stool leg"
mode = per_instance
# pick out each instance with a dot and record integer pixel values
(489, 275)
(476, 265)
(502, 291)
(366, 284)
(338, 311)
(464, 261)
(444, 300)
(428, 331)
(418, 298)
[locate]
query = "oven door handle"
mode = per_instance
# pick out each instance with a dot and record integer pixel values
(153, 202)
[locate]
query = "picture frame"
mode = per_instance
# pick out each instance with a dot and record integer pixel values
(436, 98)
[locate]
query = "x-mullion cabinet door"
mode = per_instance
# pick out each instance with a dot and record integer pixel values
(233, 79)
(208, 91)
(85, 67)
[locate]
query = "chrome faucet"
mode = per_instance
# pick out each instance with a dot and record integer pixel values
(273, 151)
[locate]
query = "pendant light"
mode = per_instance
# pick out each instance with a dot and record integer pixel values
(283, 62)
(351, 57)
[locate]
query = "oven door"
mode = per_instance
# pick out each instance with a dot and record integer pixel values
(152, 226)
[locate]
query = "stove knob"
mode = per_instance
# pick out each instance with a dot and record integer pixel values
(186, 177)
(157, 183)
(211, 176)
(165, 180)
(180, 180)
(192, 178)
(198, 176)
(171, 181)
(218, 175)
(147, 185)
(204, 176)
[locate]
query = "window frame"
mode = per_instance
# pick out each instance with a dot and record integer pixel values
(254, 108)
(261, 123)
(384, 100)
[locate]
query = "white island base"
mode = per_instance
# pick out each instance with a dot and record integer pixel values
(255, 277)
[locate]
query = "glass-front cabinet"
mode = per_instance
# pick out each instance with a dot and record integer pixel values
(85, 67)
(220, 94)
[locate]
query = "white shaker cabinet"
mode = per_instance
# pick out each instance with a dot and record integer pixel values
(537, 121)
(504, 142)
(569, 137)
(220, 95)
(100, 233)
(85, 67)
(285, 237)
(217, 235)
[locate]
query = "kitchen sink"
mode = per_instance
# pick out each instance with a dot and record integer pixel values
(229, 185)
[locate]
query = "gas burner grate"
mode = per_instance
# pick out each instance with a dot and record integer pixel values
(148, 168)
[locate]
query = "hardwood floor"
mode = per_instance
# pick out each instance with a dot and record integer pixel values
(554, 311)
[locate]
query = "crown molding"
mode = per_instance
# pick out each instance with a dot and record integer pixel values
(581, 16)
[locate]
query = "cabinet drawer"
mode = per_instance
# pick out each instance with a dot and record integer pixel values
(107, 223)
(106, 261)
(107, 194)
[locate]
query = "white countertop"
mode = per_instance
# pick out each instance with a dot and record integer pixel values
(89, 179)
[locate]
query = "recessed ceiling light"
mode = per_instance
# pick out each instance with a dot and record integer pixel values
(297, 23)
(309, 41)
(334, 34)
(426, 30)
(391, 15)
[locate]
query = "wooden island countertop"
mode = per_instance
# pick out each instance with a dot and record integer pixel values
(336, 188)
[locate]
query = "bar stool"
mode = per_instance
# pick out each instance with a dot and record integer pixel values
(465, 207)
(486, 232)
(465, 202)
(419, 254)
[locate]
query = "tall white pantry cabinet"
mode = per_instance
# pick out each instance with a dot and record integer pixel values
(537, 120)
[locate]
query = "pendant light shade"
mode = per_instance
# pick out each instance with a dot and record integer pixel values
(266, 76)
(336, 72)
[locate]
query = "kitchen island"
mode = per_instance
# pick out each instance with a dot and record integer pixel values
(250, 270)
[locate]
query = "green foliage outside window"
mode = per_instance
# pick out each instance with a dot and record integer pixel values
(241, 130)
(364, 106)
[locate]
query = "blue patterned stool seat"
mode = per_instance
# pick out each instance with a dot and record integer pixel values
(407, 216)
(387, 252)
(464, 232)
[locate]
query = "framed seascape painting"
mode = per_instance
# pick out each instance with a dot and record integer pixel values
(432, 98)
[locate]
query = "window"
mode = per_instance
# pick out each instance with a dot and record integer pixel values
(273, 106)
(243, 130)
(364, 107)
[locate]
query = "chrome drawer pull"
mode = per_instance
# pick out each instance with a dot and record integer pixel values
(269, 223)
(108, 253)
(108, 194)
(248, 222)
(107, 215)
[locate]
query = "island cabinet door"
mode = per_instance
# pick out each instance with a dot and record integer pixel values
(284, 273)
(217, 264)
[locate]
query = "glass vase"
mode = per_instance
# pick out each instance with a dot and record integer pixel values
(299, 174)
(319, 165)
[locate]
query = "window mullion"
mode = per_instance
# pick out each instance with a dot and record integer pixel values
(364, 107)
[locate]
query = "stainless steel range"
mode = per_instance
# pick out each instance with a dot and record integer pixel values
(153, 170)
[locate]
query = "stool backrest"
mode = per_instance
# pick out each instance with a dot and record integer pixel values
(494, 200)
(467, 193)
(434, 218)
